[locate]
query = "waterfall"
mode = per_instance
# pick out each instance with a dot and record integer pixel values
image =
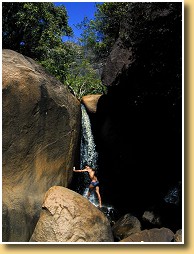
(88, 153)
(89, 156)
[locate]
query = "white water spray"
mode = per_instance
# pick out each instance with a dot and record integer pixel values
(88, 154)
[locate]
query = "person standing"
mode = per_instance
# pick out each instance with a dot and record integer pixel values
(94, 184)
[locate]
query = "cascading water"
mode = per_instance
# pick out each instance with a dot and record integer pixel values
(88, 154)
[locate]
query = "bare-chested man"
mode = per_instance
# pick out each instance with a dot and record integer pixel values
(94, 184)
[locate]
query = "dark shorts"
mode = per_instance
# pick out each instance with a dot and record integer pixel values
(95, 183)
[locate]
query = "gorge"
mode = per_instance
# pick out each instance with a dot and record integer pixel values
(136, 143)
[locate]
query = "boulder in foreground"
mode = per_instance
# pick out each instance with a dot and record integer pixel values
(70, 217)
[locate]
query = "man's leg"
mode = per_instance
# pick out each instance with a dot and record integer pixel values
(90, 190)
(88, 195)
(98, 194)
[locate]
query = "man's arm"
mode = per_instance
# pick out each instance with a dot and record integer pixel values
(79, 170)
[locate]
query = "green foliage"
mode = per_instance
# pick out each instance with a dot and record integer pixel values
(71, 67)
(130, 21)
(101, 33)
(81, 76)
(36, 30)
(33, 28)
(58, 60)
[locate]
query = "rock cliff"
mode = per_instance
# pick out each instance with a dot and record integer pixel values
(41, 125)
(139, 120)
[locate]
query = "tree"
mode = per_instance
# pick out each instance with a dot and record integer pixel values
(58, 60)
(33, 28)
(36, 30)
(82, 78)
(130, 21)
(100, 34)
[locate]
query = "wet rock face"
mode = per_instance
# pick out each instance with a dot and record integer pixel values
(41, 123)
(69, 217)
(139, 135)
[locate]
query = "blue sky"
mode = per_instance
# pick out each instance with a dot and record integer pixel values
(76, 12)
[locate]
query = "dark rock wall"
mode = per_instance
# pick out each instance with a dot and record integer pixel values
(139, 121)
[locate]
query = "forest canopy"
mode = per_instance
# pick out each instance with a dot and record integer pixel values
(37, 29)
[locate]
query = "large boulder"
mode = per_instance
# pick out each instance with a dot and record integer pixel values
(41, 126)
(90, 101)
(70, 217)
